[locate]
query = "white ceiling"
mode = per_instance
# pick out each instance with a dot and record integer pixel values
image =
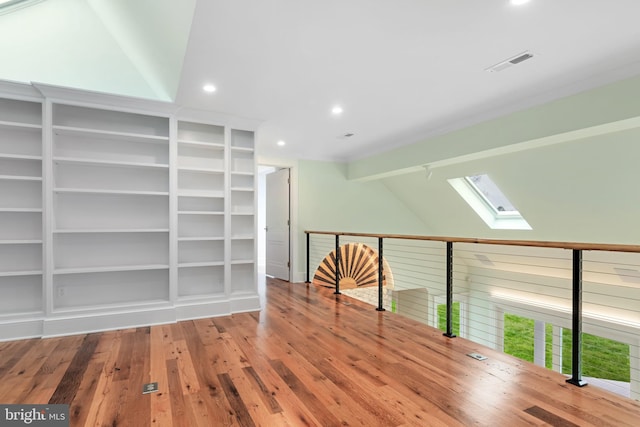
(402, 70)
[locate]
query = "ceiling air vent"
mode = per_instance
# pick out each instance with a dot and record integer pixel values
(514, 60)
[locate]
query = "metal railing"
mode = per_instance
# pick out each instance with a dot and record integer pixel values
(490, 284)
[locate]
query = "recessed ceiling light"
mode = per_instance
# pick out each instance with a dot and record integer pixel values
(519, 2)
(336, 110)
(209, 88)
(281, 143)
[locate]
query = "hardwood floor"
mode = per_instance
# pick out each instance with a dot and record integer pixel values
(306, 359)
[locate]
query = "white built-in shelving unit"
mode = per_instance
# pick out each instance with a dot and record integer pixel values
(201, 211)
(21, 210)
(243, 205)
(116, 213)
(110, 208)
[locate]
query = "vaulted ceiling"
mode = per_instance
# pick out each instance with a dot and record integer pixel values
(401, 70)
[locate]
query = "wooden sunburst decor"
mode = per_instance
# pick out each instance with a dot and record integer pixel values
(358, 268)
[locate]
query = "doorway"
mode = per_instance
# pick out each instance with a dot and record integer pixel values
(274, 222)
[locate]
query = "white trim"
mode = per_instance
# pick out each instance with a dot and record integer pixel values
(573, 135)
(463, 299)
(18, 329)
(187, 310)
(173, 211)
(20, 91)
(185, 114)
(87, 323)
(245, 303)
(106, 101)
(297, 265)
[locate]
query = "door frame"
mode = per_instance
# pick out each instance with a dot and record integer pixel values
(286, 240)
(296, 271)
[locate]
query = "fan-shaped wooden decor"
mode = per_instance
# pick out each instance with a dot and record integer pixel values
(358, 268)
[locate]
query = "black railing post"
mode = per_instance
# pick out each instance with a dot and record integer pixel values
(337, 292)
(308, 281)
(380, 275)
(576, 333)
(449, 332)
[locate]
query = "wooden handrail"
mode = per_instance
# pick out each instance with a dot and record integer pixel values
(534, 243)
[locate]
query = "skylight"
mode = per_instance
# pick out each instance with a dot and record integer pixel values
(491, 193)
(8, 6)
(489, 202)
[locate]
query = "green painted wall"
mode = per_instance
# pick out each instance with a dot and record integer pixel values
(585, 190)
(599, 106)
(328, 201)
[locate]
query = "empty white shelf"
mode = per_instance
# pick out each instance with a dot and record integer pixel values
(201, 144)
(83, 161)
(195, 239)
(20, 178)
(81, 270)
(200, 193)
(69, 130)
(242, 261)
(200, 213)
(201, 264)
(201, 170)
(20, 273)
(23, 210)
(19, 156)
(115, 230)
(122, 192)
(7, 124)
(245, 149)
(20, 242)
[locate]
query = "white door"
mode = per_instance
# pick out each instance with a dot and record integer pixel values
(277, 224)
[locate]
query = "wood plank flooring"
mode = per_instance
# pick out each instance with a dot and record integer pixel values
(308, 359)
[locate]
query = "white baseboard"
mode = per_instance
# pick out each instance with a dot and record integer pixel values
(240, 304)
(201, 310)
(73, 325)
(82, 323)
(20, 329)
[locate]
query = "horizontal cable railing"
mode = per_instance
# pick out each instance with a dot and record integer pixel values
(570, 307)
